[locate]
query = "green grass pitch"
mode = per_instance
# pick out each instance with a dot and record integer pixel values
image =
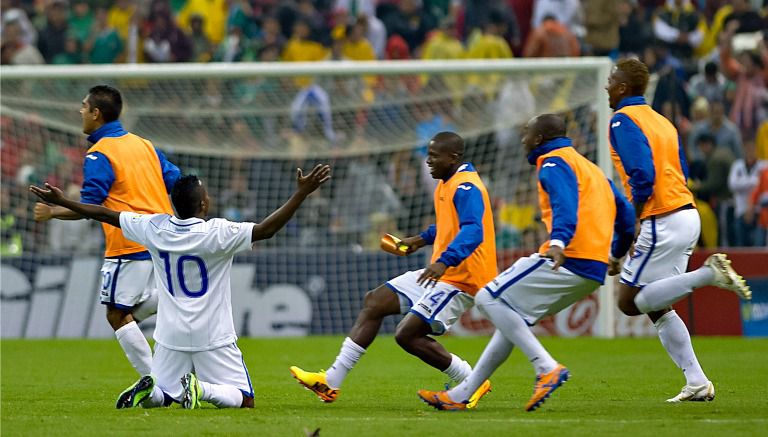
(617, 387)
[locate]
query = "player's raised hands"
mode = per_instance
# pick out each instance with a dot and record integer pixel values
(48, 194)
(310, 182)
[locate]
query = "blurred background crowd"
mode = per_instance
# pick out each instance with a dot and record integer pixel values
(709, 60)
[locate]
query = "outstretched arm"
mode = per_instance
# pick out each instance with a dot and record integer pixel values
(51, 194)
(306, 185)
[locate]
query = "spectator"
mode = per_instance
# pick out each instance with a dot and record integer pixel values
(241, 14)
(761, 141)
(747, 19)
(713, 186)
(121, 16)
(757, 206)
(601, 18)
(551, 39)
(51, 39)
(202, 49)
(566, 12)
(670, 85)
(409, 21)
(72, 53)
(215, 13)
(479, 12)
(104, 45)
(356, 47)
(742, 181)
(233, 47)
(726, 133)
(81, 20)
(166, 42)
(749, 72)
(14, 50)
(443, 44)
(490, 44)
(12, 11)
(238, 202)
(710, 84)
(635, 33)
(346, 11)
(680, 26)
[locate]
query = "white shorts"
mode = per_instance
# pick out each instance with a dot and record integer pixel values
(126, 283)
(532, 289)
(223, 365)
(663, 248)
(440, 307)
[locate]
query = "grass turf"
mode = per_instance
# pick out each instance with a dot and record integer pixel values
(68, 387)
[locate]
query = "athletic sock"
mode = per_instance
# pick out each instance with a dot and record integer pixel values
(136, 348)
(677, 341)
(662, 293)
(349, 355)
(519, 333)
(155, 399)
(223, 396)
(458, 370)
(494, 355)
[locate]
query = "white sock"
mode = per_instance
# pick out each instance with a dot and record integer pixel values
(677, 341)
(155, 399)
(136, 348)
(223, 396)
(662, 293)
(516, 331)
(349, 355)
(145, 309)
(494, 355)
(458, 370)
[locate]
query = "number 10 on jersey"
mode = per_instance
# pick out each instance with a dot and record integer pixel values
(175, 270)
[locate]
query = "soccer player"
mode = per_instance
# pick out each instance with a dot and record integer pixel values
(193, 258)
(125, 172)
(648, 156)
(587, 219)
(433, 298)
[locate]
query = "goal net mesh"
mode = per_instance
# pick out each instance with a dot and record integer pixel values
(245, 136)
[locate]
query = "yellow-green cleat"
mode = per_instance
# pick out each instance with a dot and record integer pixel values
(134, 395)
(191, 397)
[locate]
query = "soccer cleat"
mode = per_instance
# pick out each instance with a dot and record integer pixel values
(695, 393)
(135, 394)
(481, 391)
(545, 385)
(441, 401)
(726, 277)
(315, 382)
(190, 399)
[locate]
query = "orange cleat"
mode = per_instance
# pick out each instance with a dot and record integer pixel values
(440, 400)
(545, 385)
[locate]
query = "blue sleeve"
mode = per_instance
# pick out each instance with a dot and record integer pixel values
(624, 226)
(98, 177)
(470, 208)
(683, 161)
(631, 144)
(429, 234)
(171, 173)
(559, 181)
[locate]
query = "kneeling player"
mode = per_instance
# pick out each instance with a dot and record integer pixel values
(193, 258)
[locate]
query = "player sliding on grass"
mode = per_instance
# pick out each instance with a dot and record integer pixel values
(649, 158)
(581, 210)
(433, 299)
(193, 259)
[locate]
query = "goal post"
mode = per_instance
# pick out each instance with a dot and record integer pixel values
(244, 126)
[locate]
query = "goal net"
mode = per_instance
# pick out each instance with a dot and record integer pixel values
(245, 128)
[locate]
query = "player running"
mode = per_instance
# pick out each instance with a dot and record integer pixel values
(433, 298)
(648, 156)
(125, 172)
(582, 211)
(193, 257)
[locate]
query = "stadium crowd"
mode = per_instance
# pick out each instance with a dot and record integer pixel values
(709, 59)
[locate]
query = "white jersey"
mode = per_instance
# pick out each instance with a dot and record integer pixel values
(193, 262)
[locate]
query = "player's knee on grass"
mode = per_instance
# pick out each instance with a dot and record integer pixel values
(247, 402)
(118, 318)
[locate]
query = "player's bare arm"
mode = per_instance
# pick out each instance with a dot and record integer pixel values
(54, 195)
(44, 212)
(414, 243)
(305, 186)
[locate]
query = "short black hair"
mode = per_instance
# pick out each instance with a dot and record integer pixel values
(108, 100)
(710, 68)
(706, 138)
(187, 195)
(450, 141)
(550, 126)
